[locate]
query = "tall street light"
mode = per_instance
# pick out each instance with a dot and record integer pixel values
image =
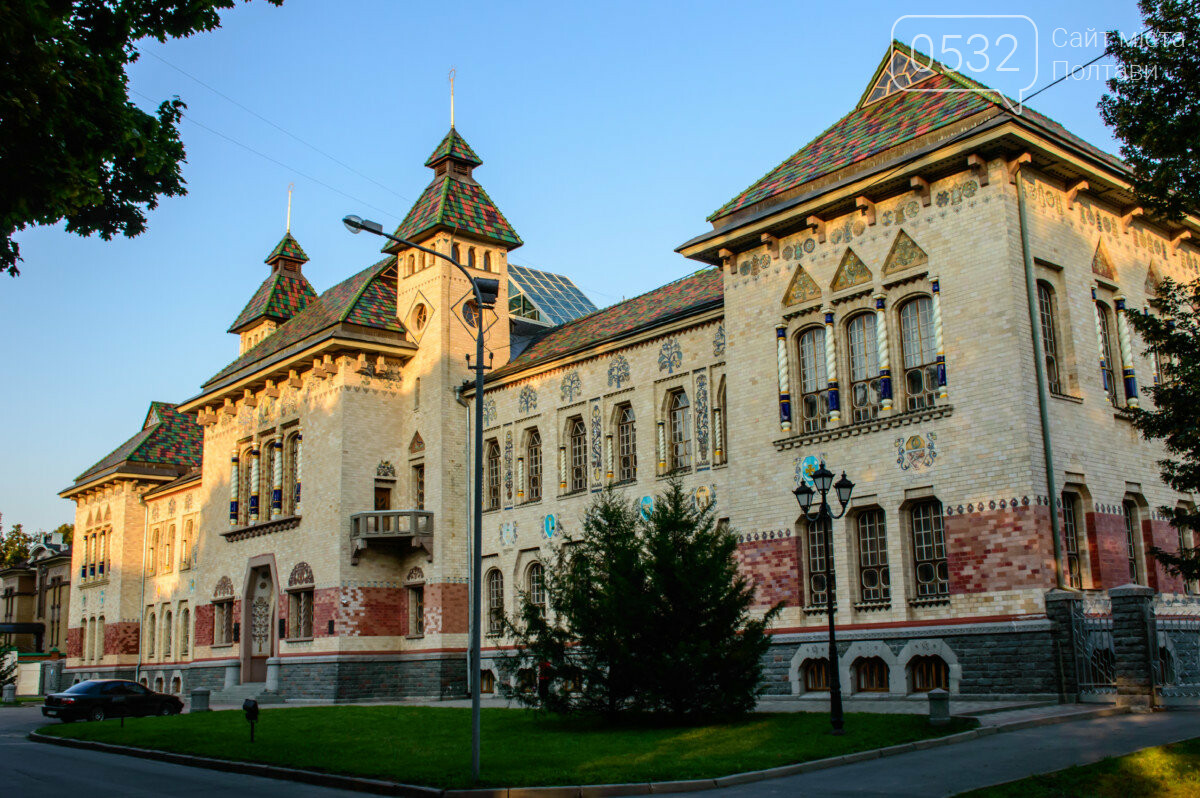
(822, 480)
(486, 290)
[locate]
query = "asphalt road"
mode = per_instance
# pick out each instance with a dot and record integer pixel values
(32, 770)
(995, 759)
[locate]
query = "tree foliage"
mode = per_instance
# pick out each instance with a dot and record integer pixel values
(73, 147)
(644, 615)
(1154, 106)
(1172, 335)
(14, 546)
(8, 666)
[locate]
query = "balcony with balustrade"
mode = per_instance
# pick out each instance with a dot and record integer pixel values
(391, 529)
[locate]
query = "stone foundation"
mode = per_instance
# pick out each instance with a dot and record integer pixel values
(984, 660)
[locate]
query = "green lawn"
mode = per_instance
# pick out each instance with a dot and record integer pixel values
(25, 699)
(431, 745)
(1169, 771)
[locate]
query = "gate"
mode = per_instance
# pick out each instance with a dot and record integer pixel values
(1095, 654)
(1178, 673)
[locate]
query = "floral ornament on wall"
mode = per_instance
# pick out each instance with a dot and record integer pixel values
(171, 506)
(571, 385)
(670, 357)
(508, 533)
(618, 371)
(916, 452)
(489, 411)
(597, 460)
(508, 456)
(385, 469)
(187, 502)
(719, 341)
(527, 400)
(701, 416)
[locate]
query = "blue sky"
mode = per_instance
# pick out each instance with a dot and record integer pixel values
(608, 131)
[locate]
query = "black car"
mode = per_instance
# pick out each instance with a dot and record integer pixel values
(97, 699)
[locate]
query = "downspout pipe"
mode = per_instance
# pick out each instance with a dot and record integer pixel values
(137, 671)
(1039, 369)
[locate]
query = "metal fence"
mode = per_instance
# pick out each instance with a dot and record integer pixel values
(1095, 654)
(1178, 621)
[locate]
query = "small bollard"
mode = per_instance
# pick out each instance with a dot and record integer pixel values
(200, 700)
(250, 707)
(10, 693)
(939, 707)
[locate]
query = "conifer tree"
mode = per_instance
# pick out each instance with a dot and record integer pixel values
(644, 615)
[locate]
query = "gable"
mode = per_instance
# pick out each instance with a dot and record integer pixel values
(1101, 263)
(802, 288)
(850, 272)
(898, 74)
(1153, 280)
(904, 254)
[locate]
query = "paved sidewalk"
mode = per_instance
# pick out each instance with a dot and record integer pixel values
(989, 760)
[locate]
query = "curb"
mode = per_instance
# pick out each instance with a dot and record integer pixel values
(384, 787)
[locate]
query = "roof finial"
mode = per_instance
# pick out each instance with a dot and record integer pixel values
(289, 216)
(451, 96)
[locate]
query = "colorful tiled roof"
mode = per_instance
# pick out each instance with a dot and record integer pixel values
(680, 298)
(460, 206)
(454, 146)
(168, 438)
(368, 298)
(900, 117)
(280, 297)
(287, 247)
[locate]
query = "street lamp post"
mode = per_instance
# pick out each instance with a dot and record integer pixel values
(823, 479)
(486, 291)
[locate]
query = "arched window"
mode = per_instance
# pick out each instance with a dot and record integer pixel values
(454, 253)
(1131, 531)
(920, 352)
(151, 635)
(185, 633)
(185, 545)
(98, 648)
(244, 474)
(176, 685)
(1049, 323)
(101, 553)
(814, 382)
(88, 635)
(1070, 531)
(577, 438)
(928, 673)
(626, 444)
(816, 675)
(495, 596)
(152, 560)
(420, 316)
(929, 550)
(679, 432)
(864, 367)
(471, 257)
(412, 266)
(487, 261)
(293, 472)
(168, 549)
(537, 585)
(815, 553)
(493, 474)
(533, 460)
(158, 684)
(168, 625)
(873, 579)
(870, 675)
(487, 682)
(1106, 352)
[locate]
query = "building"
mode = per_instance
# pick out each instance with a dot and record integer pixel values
(864, 304)
(35, 598)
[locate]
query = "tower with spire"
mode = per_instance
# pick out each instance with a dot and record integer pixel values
(284, 293)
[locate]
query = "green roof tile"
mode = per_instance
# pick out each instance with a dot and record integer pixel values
(168, 438)
(454, 146)
(280, 297)
(287, 247)
(688, 295)
(367, 298)
(878, 125)
(459, 206)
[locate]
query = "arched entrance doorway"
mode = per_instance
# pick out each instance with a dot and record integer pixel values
(259, 612)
